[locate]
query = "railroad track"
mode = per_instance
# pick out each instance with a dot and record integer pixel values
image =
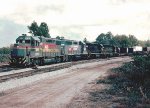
(45, 69)
(39, 70)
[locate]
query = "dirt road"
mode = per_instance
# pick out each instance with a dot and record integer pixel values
(55, 92)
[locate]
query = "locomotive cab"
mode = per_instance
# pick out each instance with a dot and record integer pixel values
(25, 48)
(27, 41)
(24, 45)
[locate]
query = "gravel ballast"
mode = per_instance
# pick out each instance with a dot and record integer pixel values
(31, 79)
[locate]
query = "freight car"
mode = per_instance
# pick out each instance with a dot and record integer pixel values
(146, 50)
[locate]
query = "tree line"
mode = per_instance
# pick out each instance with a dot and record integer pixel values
(104, 38)
(120, 40)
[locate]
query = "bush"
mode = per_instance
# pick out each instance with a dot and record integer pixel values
(131, 82)
(137, 70)
(4, 54)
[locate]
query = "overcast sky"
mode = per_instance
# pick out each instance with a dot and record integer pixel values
(75, 19)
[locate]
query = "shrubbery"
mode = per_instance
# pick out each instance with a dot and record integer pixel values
(4, 58)
(4, 54)
(132, 82)
(137, 70)
(136, 83)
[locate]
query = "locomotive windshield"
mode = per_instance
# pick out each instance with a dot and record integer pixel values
(19, 41)
(27, 41)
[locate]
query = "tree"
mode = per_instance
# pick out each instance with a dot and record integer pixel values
(57, 37)
(147, 43)
(85, 40)
(105, 38)
(100, 38)
(41, 30)
(133, 41)
(109, 35)
(141, 43)
(34, 29)
(121, 40)
(118, 40)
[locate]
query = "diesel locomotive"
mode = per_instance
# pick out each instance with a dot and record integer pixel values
(40, 50)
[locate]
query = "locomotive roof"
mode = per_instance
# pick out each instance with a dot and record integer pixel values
(37, 38)
(25, 37)
(60, 39)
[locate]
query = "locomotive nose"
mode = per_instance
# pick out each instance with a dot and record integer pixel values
(15, 51)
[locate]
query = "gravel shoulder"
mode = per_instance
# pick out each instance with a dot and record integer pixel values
(93, 95)
(59, 89)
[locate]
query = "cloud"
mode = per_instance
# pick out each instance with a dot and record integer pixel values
(76, 19)
(45, 8)
(9, 31)
(69, 32)
(25, 11)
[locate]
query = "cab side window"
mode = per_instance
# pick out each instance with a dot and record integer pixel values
(20, 41)
(37, 43)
